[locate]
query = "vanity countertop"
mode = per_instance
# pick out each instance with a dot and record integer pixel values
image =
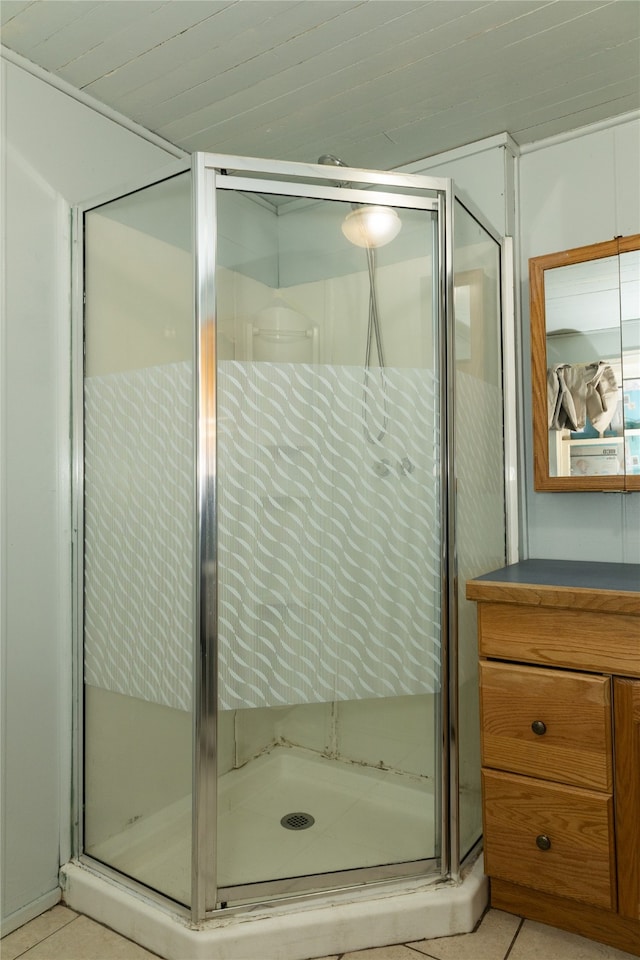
(581, 584)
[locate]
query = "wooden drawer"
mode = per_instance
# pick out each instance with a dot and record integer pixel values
(575, 708)
(577, 639)
(579, 863)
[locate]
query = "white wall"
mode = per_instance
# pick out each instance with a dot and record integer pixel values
(570, 192)
(483, 174)
(55, 152)
(575, 192)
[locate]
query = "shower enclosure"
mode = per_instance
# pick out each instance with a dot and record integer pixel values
(290, 458)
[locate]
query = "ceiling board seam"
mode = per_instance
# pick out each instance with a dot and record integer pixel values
(86, 9)
(155, 46)
(583, 127)
(54, 31)
(142, 54)
(18, 13)
(558, 26)
(572, 113)
(582, 131)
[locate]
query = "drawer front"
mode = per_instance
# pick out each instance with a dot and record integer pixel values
(577, 639)
(571, 713)
(521, 814)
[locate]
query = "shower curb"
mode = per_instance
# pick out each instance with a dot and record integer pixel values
(313, 928)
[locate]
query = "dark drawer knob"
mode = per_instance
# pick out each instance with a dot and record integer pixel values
(539, 727)
(543, 842)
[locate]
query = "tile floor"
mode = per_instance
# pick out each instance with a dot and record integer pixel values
(61, 934)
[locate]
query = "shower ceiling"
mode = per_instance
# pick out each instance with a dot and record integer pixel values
(380, 82)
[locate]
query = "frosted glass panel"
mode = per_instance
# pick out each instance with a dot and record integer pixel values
(480, 508)
(138, 526)
(138, 506)
(328, 549)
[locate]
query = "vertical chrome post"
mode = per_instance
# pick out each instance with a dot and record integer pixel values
(510, 398)
(440, 722)
(450, 779)
(77, 534)
(203, 890)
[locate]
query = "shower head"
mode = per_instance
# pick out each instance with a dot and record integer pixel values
(330, 160)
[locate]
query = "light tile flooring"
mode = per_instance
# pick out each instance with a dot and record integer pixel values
(61, 934)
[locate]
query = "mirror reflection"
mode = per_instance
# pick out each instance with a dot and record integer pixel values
(585, 315)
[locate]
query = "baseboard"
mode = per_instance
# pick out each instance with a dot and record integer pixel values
(30, 912)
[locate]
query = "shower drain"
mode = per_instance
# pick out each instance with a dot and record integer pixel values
(297, 821)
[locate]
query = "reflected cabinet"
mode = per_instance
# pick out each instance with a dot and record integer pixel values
(585, 362)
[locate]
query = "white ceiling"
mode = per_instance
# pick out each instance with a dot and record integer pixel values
(378, 82)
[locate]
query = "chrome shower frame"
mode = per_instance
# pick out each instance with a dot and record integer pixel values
(296, 180)
(210, 173)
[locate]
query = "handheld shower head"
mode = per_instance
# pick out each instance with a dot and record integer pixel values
(328, 160)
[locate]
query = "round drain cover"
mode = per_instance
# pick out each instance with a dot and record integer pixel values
(297, 821)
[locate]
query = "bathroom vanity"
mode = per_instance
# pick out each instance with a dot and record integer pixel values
(559, 645)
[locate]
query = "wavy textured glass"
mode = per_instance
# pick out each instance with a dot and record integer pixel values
(138, 522)
(328, 544)
(329, 572)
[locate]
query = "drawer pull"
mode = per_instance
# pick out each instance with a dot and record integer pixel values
(539, 727)
(543, 841)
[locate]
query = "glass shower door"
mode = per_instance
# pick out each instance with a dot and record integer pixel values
(328, 543)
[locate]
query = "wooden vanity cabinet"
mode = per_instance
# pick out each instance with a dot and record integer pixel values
(559, 646)
(627, 786)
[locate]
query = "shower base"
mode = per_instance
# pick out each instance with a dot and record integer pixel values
(362, 817)
(333, 924)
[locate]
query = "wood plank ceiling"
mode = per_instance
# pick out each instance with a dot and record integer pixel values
(379, 82)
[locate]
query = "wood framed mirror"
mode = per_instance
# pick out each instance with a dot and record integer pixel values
(585, 367)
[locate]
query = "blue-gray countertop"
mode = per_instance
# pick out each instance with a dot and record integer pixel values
(585, 574)
(577, 584)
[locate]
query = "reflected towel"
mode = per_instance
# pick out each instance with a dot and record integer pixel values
(575, 391)
(562, 412)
